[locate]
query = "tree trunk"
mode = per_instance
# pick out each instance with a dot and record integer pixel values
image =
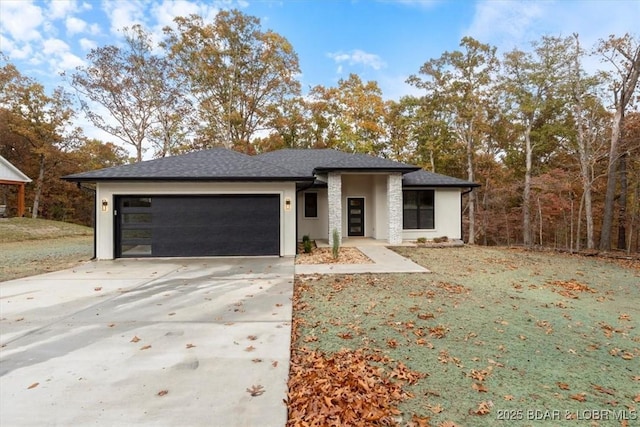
(526, 195)
(622, 203)
(38, 189)
(472, 195)
(612, 172)
(578, 245)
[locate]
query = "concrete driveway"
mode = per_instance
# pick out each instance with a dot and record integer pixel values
(168, 342)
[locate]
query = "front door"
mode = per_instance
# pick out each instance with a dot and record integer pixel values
(355, 216)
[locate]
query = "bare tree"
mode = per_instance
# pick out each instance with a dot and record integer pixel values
(623, 54)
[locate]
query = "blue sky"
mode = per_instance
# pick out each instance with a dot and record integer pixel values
(381, 40)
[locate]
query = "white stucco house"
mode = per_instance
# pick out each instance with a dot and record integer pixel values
(220, 202)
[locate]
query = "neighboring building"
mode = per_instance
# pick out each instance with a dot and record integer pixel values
(11, 175)
(220, 202)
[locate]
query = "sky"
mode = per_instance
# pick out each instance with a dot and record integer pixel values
(381, 40)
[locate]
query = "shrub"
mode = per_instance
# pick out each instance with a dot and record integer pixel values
(336, 244)
(306, 244)
(305, 238)
(441, 239)
(421, 240)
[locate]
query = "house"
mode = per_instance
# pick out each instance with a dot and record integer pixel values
(11, 175)
(220, 202)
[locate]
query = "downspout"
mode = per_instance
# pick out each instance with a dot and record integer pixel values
(95, 217)
(461, 222)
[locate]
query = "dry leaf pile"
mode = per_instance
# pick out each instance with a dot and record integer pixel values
(325, 256)
(570, 288)
(345, 388)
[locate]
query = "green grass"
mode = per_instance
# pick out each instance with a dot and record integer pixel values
(511, 332)
(22, 229)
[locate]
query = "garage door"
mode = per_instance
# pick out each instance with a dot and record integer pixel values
(191, 226)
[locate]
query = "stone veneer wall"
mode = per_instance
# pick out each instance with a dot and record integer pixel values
(394, 204)
(334, 184)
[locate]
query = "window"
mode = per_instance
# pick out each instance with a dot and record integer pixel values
(311, 205)
(418, 209)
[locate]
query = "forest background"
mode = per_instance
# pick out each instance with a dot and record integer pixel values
(554, 145)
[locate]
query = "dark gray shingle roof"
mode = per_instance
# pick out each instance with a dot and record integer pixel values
(423, 178)
(310, 160)
(220, 164)
(217, 164)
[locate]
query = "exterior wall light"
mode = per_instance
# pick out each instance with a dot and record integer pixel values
(287, 204)
(105, 205)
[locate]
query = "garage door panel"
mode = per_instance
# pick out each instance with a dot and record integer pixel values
(222, 225)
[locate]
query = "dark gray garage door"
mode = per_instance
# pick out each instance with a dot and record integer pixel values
(189, 226)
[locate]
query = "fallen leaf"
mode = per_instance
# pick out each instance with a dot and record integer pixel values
(580, 397)
(480, 388)
(603, 390)
(563, 386)
(274, 363)
(252, 337)
(637, 398)
(190, 345)
(508, 397)
(256, 360)
(135, 339)
(417, 421)
(163, 392)
(111, 325)
(171, 314)
(255, 390)
(97, 289)
(34, 385)
(483, 408)
(146, 347)
(250, 348)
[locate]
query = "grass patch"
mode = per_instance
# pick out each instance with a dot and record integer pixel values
(497, 336)
(21, 229)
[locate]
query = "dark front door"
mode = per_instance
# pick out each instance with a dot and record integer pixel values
(355, 216)
(186, 226)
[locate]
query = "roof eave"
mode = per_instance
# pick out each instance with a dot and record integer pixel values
(469, 185)
(186, 179)
(366, 169)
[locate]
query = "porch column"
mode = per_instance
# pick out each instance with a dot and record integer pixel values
(334, 184)
(20, 200)
(394, 206)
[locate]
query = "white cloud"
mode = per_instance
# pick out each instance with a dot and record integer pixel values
(124, 14)
(507, 23)
(66, 61)
(20, 20)
(54, 46)
(75, 25)
(61, 8)
(87, 44)
(358, 56)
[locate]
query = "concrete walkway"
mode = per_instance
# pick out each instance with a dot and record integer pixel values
(385, 261)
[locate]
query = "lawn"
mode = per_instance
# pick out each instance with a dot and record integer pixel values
(32, 246)
(492, 336)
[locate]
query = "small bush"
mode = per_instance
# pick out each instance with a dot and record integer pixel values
(421, 240)
(336, 244)
(442, 239)
(305, 238)
(306, 244)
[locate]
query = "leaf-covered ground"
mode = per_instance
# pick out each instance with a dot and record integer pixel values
(490, 337)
